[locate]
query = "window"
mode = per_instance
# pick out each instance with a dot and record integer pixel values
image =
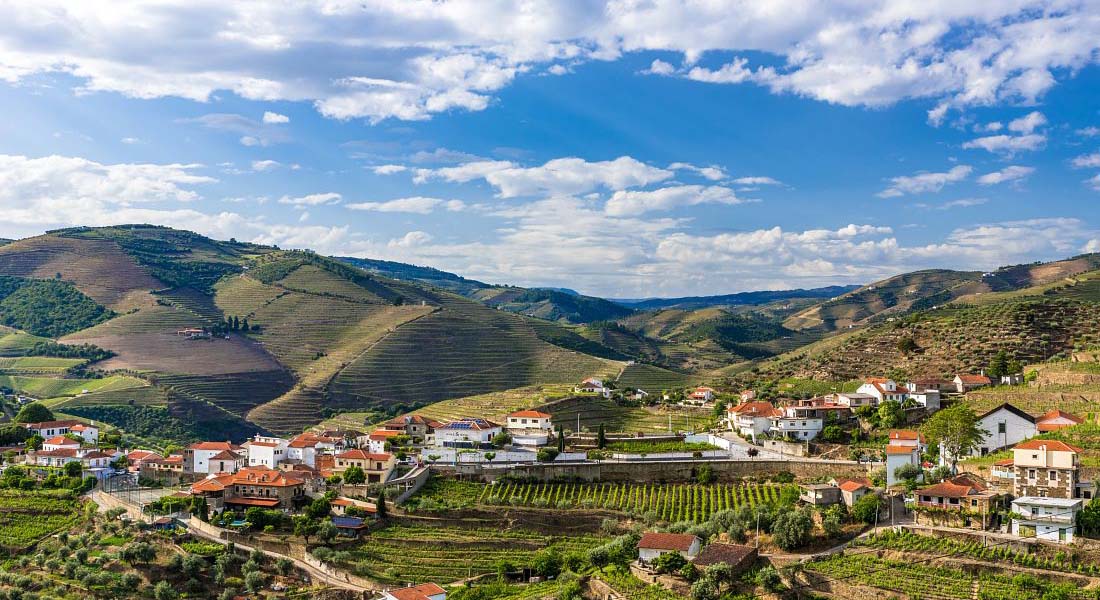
(1002, 427)
(1052, 476)
(1031, 474)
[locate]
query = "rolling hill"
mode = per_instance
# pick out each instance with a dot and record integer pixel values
(314, 336)
(739, 299)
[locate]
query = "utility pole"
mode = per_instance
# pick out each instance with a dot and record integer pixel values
(758, 528)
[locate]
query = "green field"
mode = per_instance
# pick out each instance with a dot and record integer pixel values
(26, 517)
(653, 379)
(668, 502)
(17, 343)
(49, 387)
(38, 365)
(921, 580)
(414, 554)
(594, 411)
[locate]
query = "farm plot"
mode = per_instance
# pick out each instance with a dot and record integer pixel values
(26, 517)
(17, 343)
(652, 379)
(670, 502)
(401, 554)
(146, 395)
(594, 411)
(921, 580)
(235, 392)
(38, 365)
(50, 387)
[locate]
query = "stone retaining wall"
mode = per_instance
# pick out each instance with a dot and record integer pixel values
(675, 471)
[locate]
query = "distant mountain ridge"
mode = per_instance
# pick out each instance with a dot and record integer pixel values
(736, 299)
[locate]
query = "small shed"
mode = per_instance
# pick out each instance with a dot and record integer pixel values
(350, 526)
(739, 557)
(819, 494)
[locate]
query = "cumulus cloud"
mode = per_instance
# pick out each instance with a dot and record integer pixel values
(1007, 144)
(1086, 161)
(757, 181)
(265, 165)
(415, 204)
(1007, 174)
(636, 202)
(1093, 182)
(410, 59)
(312, 199)
(1088, 131)
(388, 169)
(713, 172)
(1028, 123)
(273, 118)
(252, 133)
(660, 67)
(560, 176)
(924, 182)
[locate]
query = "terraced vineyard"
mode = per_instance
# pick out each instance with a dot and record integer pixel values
(404, 554)
(652, 379)
(146, 395)
(1079, 400)
(669, 502)
(17, 343)
(235, 392)
(26, 517)
(463, 349)
(37, 365)
(925, 581)
(50, 387)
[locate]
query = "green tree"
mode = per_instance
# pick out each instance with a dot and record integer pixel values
(601, 437)
(561, 439)
(305, 527)
(956, 430)
(164, 591)
(890, 414)
(998, 367)
(35, 412)
(907, 345)
(791, 530)
(832, 520)
(669, 562)
(34, 442)
(501, 440)
(327, 531)
(354, 475)
(833, 433)
(704, 474)
(909, 474)
(1089, 518)
(866, 509)
(380, 503)
(73, 469)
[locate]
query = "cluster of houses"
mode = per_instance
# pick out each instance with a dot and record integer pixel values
(69, 441)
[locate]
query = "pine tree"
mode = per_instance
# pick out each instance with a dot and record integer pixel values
(561, 439)
(380, 504)
(601, 437)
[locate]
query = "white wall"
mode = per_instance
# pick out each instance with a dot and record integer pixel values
(1016, 430)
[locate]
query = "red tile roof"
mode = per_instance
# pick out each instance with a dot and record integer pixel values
(946, 489)
(60, 440)
(900, 449)
(852, 486)
(731, 554)
(52, 424)
(1005, 462)
(1051, 445)
(974, 379)
(758, 408)
(358, 454)
(213, 446)
(1046, 422)
(60, 453)
(226, 455)
(906, 434)
(667, 541)
(530, 414)
(418, 592)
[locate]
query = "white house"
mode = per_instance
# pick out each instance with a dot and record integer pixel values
(751, 418)
(1055, 420)
(702, 395)
(196, 457)
(58, 442)
(897, 456)
(796, 423)
(306, 447)
(907, 437)
(965, 382)
(266, 451)
(929, 399)
(378, 440)
(424, 591)
(529, 427)
(652, 545)
(593, 385)
(226, 461)
(1050, 519)
(1007, 426)
(466, 432)
(90, 433)
(883, 389)
(49, 429)
(856, 400)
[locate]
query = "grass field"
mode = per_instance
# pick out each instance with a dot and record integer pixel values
(146, 395)
(17, 343)
(653, 379)
(404, 554)
(594, 411)
(50, 387)
(26, 517)
(668, 502)
(38, 365)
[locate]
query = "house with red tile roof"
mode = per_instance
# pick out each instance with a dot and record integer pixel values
(252, 486)
(49, 429)
(851, 491)
(418, 427)
(653, 545)
(750, 419)
(965, 382)
(58, 442)
(379, 441)
(962, 501)
(1055, 420)
(883, 389)
(467, 432)
(424, 591)
(1046, 468)
(378, 467)
(196, 457)
(530, 428)
(168, 470)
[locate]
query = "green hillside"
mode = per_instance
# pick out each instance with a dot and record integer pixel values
(47, 308)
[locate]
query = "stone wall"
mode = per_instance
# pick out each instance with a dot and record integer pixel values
(677, 471)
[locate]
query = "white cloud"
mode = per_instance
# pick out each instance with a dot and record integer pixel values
(312, 199)
(1093, 182)
(1086, 161)
(560, 176)
(989, 127)
(388, 169)
(130, 140)
(265, 165)
(273, 118)
(410, 59)
(733, 72)
(960, 203)
(1028, 123)
(415, 204)
(1007, 144)
(660, 67)
(713, 172)
(1088, 131)
(636, 202)
(253, 133)
(1012, 173)
(924, 182)
(757, 181)
(411, 239)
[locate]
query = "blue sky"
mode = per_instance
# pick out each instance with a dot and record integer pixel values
(616, 148)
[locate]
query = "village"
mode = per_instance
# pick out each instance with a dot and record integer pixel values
(342, 483)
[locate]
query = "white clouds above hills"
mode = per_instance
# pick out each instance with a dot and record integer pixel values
(924, 182)
(410, 59)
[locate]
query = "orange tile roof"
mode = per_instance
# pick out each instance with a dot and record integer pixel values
(261, 502)
(1051, 445)
(667, 541)
(973, 379)
(906, 434)
(60, 452)
(418, 592)
(60, 440)
(52, 424)
(358, 454)
(1005, 462)
(946, 489)
(383, 434)
(226, 455)
(852, 486)
(213, 446)
(757, 408)
(530, 414)
(901, 449)
(1060, 414)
